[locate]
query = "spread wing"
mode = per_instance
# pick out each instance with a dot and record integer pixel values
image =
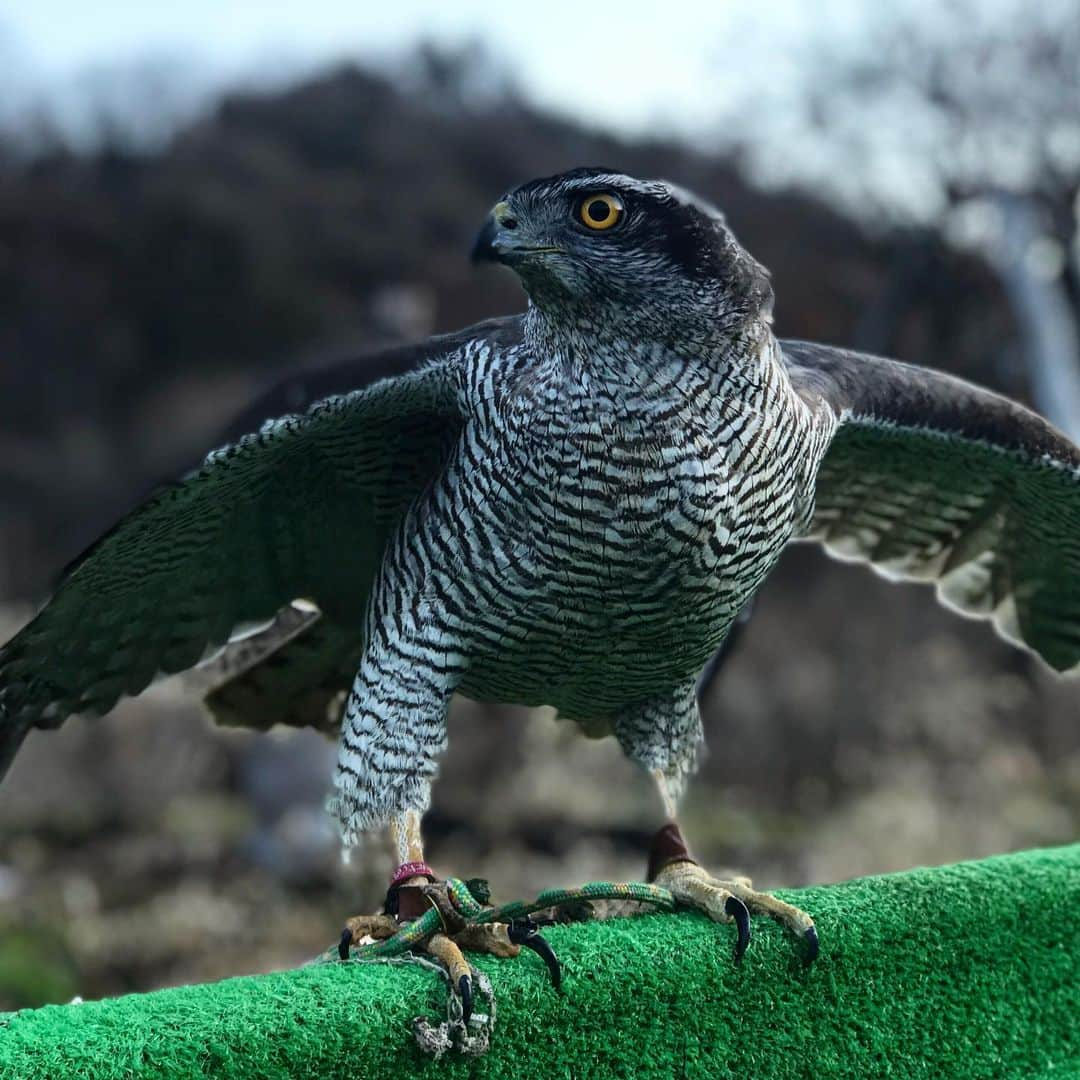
(929, 478)
(299, 509)
(297, 670)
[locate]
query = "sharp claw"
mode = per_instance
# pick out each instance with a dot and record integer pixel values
(465, 990)
(539, 945)
(811, 939)
(344, 943)
(737, 910)
(524, 932)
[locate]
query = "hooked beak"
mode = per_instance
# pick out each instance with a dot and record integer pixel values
(483, 249)
(500, 241)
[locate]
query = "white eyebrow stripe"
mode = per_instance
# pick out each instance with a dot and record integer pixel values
(688, 198)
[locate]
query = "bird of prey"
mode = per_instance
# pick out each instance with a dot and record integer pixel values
(567, 507)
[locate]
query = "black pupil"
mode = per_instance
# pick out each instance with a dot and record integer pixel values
(598, 210)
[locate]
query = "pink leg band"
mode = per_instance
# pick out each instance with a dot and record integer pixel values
(410, 870)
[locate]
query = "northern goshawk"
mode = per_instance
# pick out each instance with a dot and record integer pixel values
(564, 508)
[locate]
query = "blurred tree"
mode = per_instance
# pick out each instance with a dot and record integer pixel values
(963, 117)
(148, 284)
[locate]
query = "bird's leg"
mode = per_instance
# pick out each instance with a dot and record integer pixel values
(728, 899)
(408, 899)
(414, 889)
(386, 759)
(664, 733)
(405, 833)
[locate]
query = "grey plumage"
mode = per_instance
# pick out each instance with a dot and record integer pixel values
(567, 508)
(929, 478)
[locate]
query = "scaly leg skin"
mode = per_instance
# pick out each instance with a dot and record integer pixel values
(723, 899)
(410, 895)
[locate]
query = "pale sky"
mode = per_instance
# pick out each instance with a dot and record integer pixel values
(698, 69)
(629, 66)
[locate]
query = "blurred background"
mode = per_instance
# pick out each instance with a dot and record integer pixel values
(195, 198)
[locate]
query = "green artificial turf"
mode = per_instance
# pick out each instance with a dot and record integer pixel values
(967, 970)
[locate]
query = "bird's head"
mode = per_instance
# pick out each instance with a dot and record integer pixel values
(623, 252)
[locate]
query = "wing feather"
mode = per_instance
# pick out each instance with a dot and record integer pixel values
(300, 508)
(929, 478)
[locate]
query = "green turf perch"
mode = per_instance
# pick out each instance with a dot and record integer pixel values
(967, 970)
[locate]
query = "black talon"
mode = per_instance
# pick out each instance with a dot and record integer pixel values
(737, 910)
(464, 986)
(539, 945)
(811, 939)
(524, 932)
(344, 943)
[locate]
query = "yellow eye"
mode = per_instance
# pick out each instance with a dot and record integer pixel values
(600, 211)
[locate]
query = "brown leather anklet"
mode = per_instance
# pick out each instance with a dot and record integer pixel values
(667, 847)
(408, 902)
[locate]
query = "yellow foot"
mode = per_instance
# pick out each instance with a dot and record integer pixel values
(723, 899)
(411, 899)
(493, 939)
